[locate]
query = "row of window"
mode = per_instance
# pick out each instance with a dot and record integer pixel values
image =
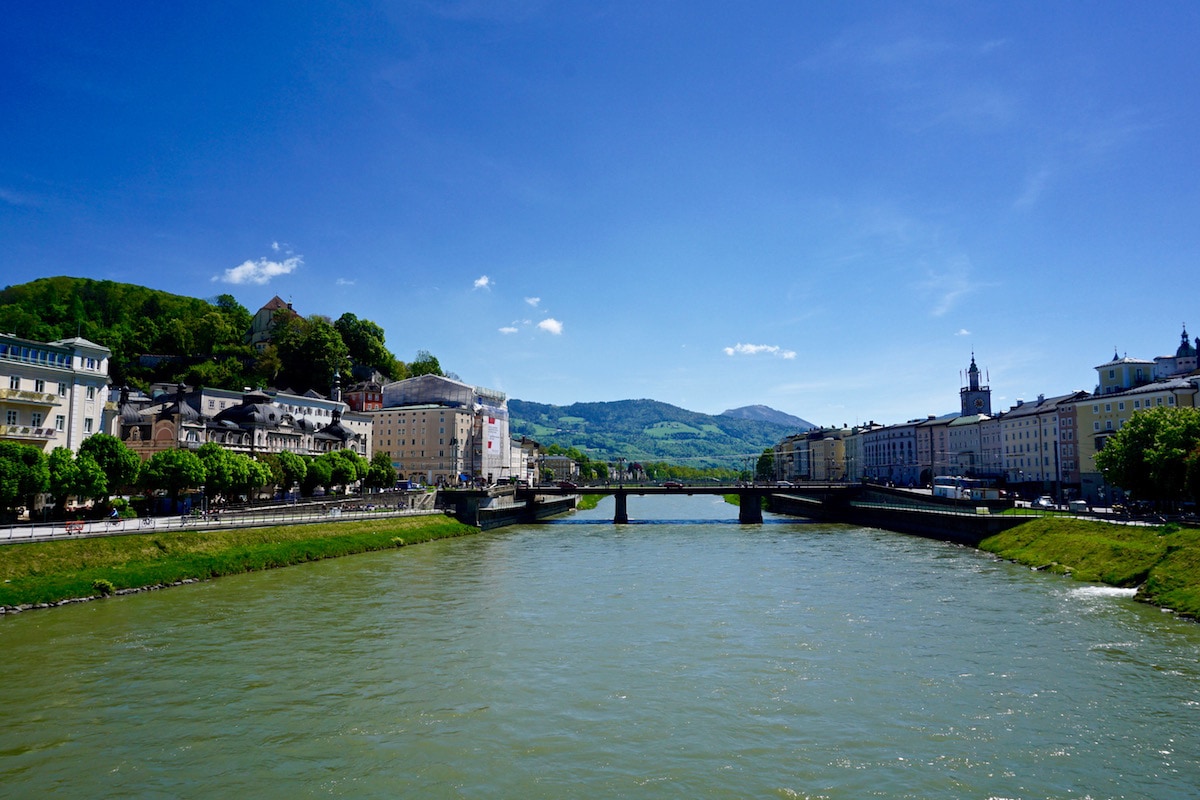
(1137, 404)
(36, 419)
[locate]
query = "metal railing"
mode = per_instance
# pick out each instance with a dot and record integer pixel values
(251, 518)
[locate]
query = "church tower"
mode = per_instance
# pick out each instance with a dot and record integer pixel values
(976, 399)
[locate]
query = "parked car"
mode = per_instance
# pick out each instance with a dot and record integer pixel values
(567, 485)
(1044, 502)
(672, 485)
(783, 484)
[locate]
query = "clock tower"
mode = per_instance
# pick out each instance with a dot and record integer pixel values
(976, 399)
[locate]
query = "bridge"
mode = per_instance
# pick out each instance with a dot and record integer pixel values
(750, 496)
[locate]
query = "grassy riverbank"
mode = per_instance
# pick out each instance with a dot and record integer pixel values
(587, 502)
(47, 572)
(1163, 561)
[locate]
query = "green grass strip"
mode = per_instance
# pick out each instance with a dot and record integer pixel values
(47, 572)
(1164, 562)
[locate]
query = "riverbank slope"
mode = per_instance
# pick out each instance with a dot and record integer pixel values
(1162, 561)
(51, 572)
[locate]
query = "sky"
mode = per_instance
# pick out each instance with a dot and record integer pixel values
(825, 208)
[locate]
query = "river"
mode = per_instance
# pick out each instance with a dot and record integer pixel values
(682, 655)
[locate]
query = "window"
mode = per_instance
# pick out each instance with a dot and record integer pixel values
(1171, 400)
(1107, 408)
(39, 386)
(87, 424)
(91, 393)
(60, 422)
(12, 418)
(1095, 426)
(62, 389)
(35, 419)
(14, 382)
(1121, 406)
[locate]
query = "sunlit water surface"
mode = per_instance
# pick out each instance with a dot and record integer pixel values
(679, 656)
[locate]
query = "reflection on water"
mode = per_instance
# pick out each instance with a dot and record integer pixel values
(683, 656)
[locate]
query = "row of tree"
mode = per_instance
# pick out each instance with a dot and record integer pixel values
(105, 466)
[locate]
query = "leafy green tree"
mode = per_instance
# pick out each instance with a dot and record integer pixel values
(380, 474)
(222, 472)
(1148, 457)
(23, 474)
(294, 469)
(318, 473)
(424, 364)
(173, 471)
(90, 480)
(365, 345)
(63, 474)
(346, 467)
(119, 464)
(311, 352)
(764, 470)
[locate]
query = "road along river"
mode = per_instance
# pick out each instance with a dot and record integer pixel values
(682, 655)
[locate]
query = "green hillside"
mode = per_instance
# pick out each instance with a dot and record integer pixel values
(646, 430)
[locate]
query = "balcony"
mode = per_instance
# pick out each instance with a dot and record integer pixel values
(27, 433)
(26, 397)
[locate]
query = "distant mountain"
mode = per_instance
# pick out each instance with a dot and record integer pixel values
(647, 430)
(768, 414)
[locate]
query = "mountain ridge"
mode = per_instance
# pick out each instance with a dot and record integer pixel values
(646, 430)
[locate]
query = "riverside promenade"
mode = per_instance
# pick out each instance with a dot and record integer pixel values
(310, 512)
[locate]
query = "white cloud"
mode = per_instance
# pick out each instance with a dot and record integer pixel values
(533, 301)
(962, 332)
(259, 272)
(345, 282)
(508, 329)
(740, 349)
(275, 246)
(483, 282)
(551, 325)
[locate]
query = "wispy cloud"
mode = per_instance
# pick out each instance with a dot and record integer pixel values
(345, 282)
(508, 329)
(949, 285)
(533, 301)
(962, 332)
(484, 282)
(740, 349)
(551, 325)
(259, 272)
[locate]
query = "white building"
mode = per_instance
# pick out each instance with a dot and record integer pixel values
(52, 394)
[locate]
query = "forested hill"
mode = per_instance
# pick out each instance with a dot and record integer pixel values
(646, 430)
(157, 336)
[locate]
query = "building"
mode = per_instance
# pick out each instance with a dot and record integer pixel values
(468, 442)
(53, 394)
(265, 319)
(252, 422)
(1032, 445)
(964, 436)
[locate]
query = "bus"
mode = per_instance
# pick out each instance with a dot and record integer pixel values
(960, 488)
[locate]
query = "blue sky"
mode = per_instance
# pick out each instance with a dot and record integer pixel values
(821, 207)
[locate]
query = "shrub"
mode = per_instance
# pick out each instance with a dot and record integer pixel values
(103, 587)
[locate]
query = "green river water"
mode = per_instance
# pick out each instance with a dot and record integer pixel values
(680, 656)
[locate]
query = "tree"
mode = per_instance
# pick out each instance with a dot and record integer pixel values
(311, 352)
(63, 473)
(318, 472)
(294, 469)
(424, 364)
(173, 471)
(345, 467)
(365, 345)
(1148, 457)
(380, 474)
(23, 474)
(222, 471)
(765, 468)
(119, 464)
